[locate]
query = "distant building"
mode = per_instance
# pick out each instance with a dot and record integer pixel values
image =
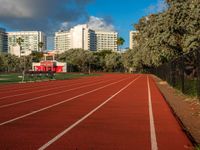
(77, 37)
(3, 41)
(106, 40)
(82, 37)
(132, 39)
(62, 41)
(31, 41)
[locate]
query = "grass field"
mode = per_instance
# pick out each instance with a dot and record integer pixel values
(17, 77)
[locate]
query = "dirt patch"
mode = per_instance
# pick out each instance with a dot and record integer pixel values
(185, 108)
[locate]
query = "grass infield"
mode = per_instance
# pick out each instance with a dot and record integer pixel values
(6, 78)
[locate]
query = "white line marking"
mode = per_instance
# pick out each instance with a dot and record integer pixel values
(31, 99)
(59, 103)
(154, 145)
(84, 117)
(39, 90)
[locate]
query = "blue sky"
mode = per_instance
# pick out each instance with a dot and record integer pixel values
(51, 15)
(123, 14)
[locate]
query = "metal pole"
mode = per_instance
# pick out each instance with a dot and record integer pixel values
(182, 74)
(198, 72)
(173, 73)
(24, 70)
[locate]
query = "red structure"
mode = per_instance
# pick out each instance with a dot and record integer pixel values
(49, 65)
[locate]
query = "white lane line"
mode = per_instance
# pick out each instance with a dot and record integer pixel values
(38, 97)
(40, 90)
(49, 85)
(84, 117)
(59, 103)
(154, 145)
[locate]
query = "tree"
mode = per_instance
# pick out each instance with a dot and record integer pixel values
(169, 34)
(9, 63)
(36, 56)
(120, 41)
(132, 60)
(113, 62)
(77, 59)
(19, 42)
(40, 45)
(100, 59)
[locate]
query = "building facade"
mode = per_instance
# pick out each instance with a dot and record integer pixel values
(132, 39)
(79, 36)
(82, 37)
(3, 41)
(62, 41)
(30, 43)
(106, 40)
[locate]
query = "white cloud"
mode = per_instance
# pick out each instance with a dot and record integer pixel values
(65, 25)
(96, 23)
(160, 6)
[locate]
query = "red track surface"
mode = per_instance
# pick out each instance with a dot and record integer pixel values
(109, 112)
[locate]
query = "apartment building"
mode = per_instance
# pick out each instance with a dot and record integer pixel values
(132, 39)
(106, 40)
(31, 39)
(79, 36)
(62, 41)
(3, 41)
(82, 37)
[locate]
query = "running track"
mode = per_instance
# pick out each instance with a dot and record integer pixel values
(108, 112)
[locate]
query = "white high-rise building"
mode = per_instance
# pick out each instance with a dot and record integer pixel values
(30, 43)
(82, 37)
(79, 36)
(62, 41)
(132, 39)
(106, 40)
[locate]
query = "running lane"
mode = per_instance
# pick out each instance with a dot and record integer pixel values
(130, 114)
(34, 103)
(125, 123)
(34, 130)
(170, 135)
(121, 124)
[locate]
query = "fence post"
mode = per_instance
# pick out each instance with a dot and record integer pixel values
(198, 72)
(182, 71)
(172, 70)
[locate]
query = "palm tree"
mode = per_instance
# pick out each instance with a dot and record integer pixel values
(120, 41)
(40, 45)
(19, 42)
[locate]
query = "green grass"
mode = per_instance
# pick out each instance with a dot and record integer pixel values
(17, 77)
(197, 147)
(190, 87)
(63, 76)
(10, 78)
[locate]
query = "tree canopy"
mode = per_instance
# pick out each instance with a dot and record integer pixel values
(166, 35)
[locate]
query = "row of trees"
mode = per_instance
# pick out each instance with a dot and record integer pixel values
(78, 60)
(81, 60)
(166, 35)
(12, 63)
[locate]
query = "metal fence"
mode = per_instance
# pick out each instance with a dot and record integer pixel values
(183, 73)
